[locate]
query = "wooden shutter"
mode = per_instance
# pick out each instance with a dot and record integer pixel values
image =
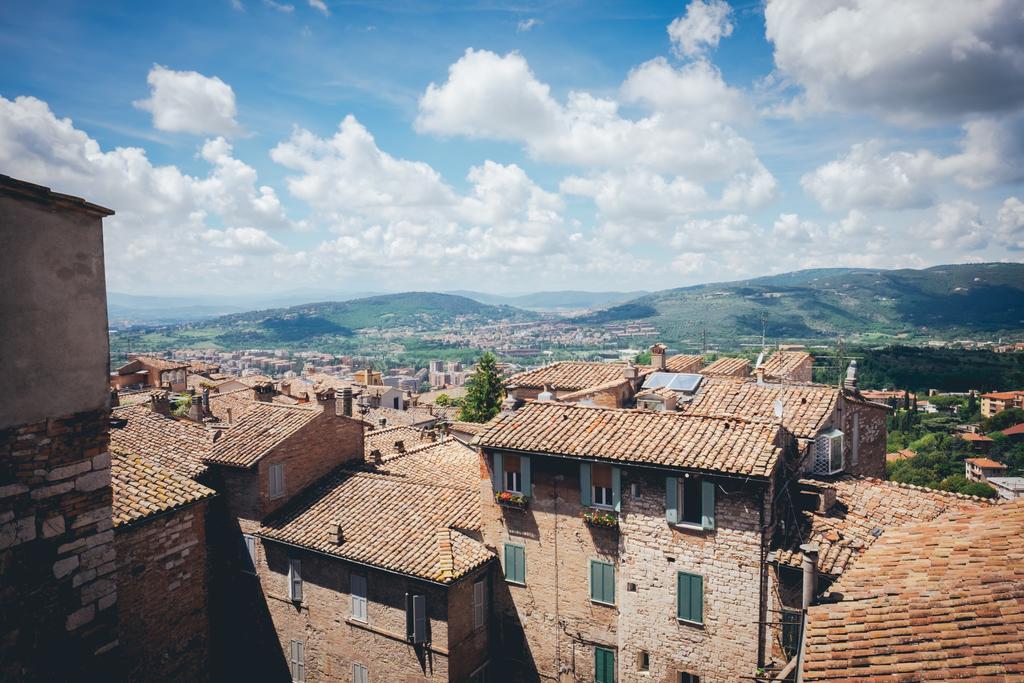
(419, 619)
(524, 475)
(515, 563)
(358, 582)
(602, 582)
(672, 500)
(479, 603)
(585, 483)
(360, 674)
(604, 665)
(498, 474)
(295, 580)
(298, 661)
(617, 489)
(707, 504)
(690, 597)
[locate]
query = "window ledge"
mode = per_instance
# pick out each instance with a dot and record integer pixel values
(602, 604)
(689, 526)
(516, 583)
(687, 622)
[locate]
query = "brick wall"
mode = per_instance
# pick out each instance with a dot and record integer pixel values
(560, 623)
(333, 641)
(57, 552)
(869, 433)
(162, 577)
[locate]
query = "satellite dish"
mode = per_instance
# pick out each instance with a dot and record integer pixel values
(778, 408)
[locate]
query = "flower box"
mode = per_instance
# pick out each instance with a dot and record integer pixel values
(600, 518)
(511, 500)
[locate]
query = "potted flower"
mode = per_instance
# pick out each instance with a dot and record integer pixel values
(511, 500)
(601, 518)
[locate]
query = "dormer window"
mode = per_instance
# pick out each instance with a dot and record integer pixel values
(828, 452)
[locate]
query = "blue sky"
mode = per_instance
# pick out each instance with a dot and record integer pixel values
(516, 147)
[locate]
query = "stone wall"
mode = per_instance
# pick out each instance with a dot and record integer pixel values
(162, 577)
(560, 624)
(57, 554)
(334, 641)
(865, 425)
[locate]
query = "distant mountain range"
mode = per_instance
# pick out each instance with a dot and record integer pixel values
(942, 301)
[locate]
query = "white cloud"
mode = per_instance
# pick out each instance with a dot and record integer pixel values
(1010, 224)
(702, 27)
(189, 102)
(284, 8)
(237, 5)
(912, 60)
(695, 91)
(320, 6)
(526, 25)
(166, 221)
(992, 152)
(734, 231)
(957, 224)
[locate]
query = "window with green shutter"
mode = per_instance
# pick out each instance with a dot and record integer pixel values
(690, 597)
(602, 582)
(515, 563)
(604, 665)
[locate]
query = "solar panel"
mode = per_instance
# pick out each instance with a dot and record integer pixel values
(676, 381)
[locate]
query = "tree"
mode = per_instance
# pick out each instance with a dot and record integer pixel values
(1003, 419)
(484, 391)
(643, 358)
(443, 400)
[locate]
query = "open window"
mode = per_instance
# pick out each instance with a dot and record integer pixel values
(600, 486)
(511, 474)
(690, 501)
(828, 452)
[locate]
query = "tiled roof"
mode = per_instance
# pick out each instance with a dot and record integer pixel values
(782, 364)
(467, 427)
(866, 509)
(681, 363)
(262, 428)
(239, 401)
(408, 515)
(728, 367)
(133, 398)
(899, 455)
(805, 407)
(987, 463)
(975, 438)
(670, 439)
(568, 375)
(176, 444)
(935, 601)
(377, 390)
(394, 418)
(142, 488)
(197, 382)
(383, 440)
(160, 363)
(253, 380)
(596, 389)
(1015, 430)
(1004, 395)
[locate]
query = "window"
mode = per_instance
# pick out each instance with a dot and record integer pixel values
(394, 403)
(416, 618)
(828, 452)
(515, 563)
(601, 478)
(634, 490)
(360, 674)
(600, 485)
(480, 603)
(358, 592)
(250, 548)
(513, 476)
(479, 676)
(604, 665)
(643, 661)
(690, 598)
(298, 661)
(295, 580)
(602, 582)
(277, 480)
(690, 501)
(688, 677)
(791, 622)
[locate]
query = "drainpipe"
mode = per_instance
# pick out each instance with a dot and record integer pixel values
(810, 568)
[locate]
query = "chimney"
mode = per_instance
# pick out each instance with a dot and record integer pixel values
(264, 391)
(335, 533)
(325, 397)
(810, 568)
(658, 357)
(229, 415)
(851, 376)
(346, 402)
(400, 446)
(759, 374)
(195, 409)
(206, 401)
(160, 402)
(375, 457)
(546, 395)
(630, 371)
(383, 422)
(115, 400)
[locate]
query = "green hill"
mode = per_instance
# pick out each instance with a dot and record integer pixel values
(944, 301)
(416, 311)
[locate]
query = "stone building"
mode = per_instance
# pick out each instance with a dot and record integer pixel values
(57, 556)
(727, 367)
(150, 372)
(162, 571)
(788, 366)
(610, 385)
(377, 572)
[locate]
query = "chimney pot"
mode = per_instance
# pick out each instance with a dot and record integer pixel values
(810, 570)
(336, 534)
(376, 457)
(400, 446)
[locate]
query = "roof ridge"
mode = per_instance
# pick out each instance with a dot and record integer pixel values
(661, 414)
(915, 487)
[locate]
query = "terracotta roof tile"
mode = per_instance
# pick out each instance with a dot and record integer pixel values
(987, 463)
(805, 407)
(239, 401)
(865, 510)
(934, 601)
(177, 444)
(258, 431)
(569, 375)
(158, 363)
(384, 440)
(395, 418)
(670, 439)
(411, 515)
(728, 367)
(682, 363)
(783, 365)
(142, 488)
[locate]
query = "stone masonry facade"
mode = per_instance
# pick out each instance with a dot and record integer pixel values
(57, 553)
(162, 577)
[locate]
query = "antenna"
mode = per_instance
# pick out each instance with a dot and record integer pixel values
(764, 327)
